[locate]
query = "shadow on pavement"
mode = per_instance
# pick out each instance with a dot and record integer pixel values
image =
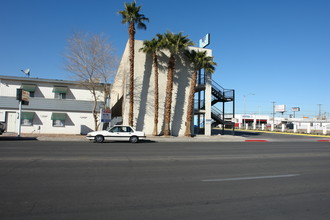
(15, 138)
(125, 142)
(147, 141)
(237, 133)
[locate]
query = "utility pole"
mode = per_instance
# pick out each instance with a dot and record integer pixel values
(273, 114)
(244, 119)
(319, 111)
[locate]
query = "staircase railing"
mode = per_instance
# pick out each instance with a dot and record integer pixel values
(225, 94)
(217, 114)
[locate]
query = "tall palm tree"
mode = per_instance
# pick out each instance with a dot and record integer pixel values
(175, 43)
(153, 47)
(131, 16)
(199, 61)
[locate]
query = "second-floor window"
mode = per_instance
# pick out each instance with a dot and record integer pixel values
(30, 88)
(60, 95)
(60, 92)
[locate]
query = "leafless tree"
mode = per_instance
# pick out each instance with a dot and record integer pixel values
(92, 61)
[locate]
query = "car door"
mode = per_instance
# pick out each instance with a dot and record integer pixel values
(126, 133)
(115, 134)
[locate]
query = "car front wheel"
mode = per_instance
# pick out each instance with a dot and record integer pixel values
(99, 138)
(134, 139)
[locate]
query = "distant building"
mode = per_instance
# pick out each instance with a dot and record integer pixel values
(243, 120)
(55, 106)
(305, 125)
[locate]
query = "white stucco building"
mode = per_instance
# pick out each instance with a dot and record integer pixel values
(55, 106)
(144, 92)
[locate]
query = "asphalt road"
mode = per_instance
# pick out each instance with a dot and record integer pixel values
(81, 180)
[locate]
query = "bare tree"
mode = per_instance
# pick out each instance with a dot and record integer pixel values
(92, 61)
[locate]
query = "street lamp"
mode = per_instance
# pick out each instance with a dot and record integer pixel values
(245, 106)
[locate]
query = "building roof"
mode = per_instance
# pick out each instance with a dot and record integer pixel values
(34, 80)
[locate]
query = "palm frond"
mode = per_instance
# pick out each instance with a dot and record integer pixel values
(200, 60)
(131, 14)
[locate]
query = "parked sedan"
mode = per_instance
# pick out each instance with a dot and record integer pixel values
(116, 133)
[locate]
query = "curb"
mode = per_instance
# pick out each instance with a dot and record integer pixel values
(287, 133)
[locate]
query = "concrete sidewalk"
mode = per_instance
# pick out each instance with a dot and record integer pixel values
(61, 137)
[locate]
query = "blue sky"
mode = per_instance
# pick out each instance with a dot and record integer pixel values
(278, 50)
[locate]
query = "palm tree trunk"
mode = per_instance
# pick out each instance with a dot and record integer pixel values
(131, 31)
(168, 99)
(155, 61)
(191, 104)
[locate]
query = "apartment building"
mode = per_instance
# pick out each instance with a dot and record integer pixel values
(55, 106)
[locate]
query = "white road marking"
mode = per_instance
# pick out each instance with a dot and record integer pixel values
(250, 178)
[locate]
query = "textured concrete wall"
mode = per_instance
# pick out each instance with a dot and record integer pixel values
(144, 90)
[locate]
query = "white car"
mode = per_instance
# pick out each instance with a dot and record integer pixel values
(117, 133)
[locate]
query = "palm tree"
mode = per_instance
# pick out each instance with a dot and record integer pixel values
(199, 61)
(131, 16)
(175, 43)
(153, 47)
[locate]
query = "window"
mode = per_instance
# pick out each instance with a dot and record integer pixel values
(29, 88)
(121, 129)
(32, 94)
(116, 129)
(27, 118)
(58, 123)
(58, 119)
(60, 95)
(127, 129)
(60, 92)
(26, 122)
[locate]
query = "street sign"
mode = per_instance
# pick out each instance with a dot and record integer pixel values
(23, 96)
(106, 115)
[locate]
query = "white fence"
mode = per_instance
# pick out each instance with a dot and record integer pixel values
(322, 128)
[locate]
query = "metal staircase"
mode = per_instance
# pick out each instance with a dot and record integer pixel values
(219, 94)
(217, 116)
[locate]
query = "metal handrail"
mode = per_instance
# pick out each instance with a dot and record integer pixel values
(217, 86)
(229, 93)
(226, 93)
(217, 112)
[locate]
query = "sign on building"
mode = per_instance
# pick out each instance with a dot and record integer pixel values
(204, 41)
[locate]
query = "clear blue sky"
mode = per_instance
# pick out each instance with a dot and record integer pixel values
(278, 50)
